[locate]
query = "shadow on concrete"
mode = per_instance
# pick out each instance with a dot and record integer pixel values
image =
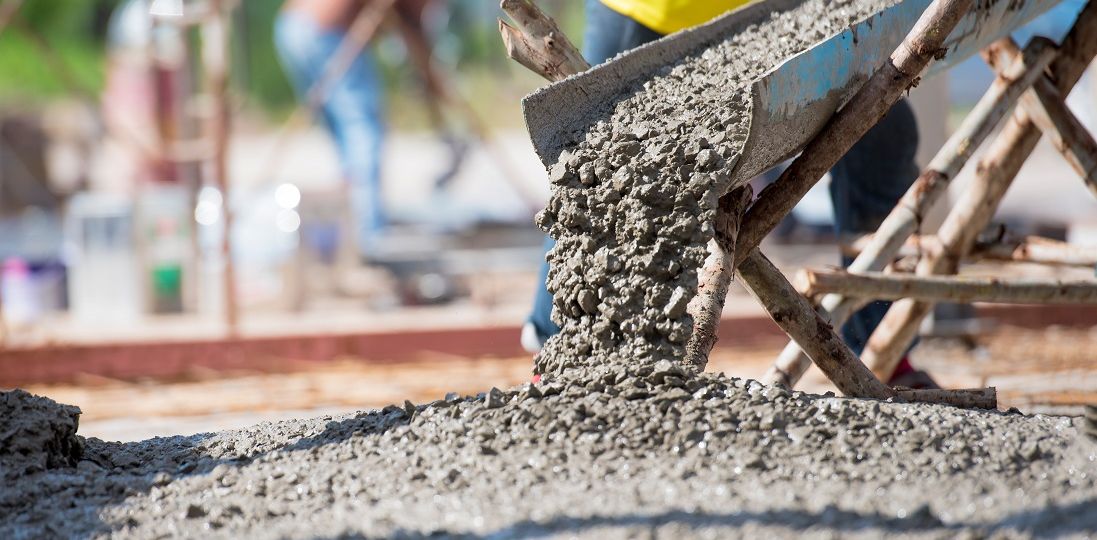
(1052, 521)
(123, 470)
(108, 473)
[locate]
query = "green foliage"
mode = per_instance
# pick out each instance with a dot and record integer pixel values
(257, 70)
(84, 19)
(45, 33)
(26, 75)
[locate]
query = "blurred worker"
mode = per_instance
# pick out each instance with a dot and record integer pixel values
(147, 77)
(307, 35)
(865, 185)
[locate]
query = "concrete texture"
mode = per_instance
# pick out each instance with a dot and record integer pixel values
(36, 434)
(633, 196)
(652, 452)
(789, 104)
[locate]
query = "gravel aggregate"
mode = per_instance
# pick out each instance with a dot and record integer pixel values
(655, 451)
(620, 440)
(633, 198)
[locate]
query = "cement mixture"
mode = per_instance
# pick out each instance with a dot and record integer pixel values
(658, 452)
(621, 440)
(36, 434)
(633, 199)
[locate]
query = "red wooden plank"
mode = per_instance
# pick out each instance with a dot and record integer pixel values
(175, 359)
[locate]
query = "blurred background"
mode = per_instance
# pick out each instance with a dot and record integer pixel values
(203, 225)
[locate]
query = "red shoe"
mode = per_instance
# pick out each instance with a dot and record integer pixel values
(906, 376)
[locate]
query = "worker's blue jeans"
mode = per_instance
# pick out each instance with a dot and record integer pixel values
(351, 112)
(865, 184)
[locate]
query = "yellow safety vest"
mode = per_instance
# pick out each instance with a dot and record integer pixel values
(668, 16)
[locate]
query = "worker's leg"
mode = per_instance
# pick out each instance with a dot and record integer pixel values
(540, 327)
(351, 112)
(354, 107)
(294, 41)
(865, 186)
(607, 34)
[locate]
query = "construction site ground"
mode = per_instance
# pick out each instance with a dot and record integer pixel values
(775, 464)
(1035, 371)
(422, 353)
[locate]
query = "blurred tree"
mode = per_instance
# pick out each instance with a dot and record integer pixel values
(256, 67)
(70, 32)
(86, 19)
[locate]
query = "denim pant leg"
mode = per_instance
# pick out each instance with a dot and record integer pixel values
(865, 185)
(607, 34)
(351, 113)
(354, 107)
(541, 315)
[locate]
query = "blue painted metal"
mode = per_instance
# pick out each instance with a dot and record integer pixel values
(792, 101)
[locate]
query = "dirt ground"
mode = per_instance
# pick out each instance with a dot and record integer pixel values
(1036, 371)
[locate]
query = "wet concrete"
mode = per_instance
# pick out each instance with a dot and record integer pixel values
(655, 452)
(633, 196)
(36, 434)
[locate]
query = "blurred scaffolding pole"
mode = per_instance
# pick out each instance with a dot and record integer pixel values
(213, 19)
(215, 40)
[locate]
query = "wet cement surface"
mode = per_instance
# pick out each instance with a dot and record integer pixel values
(653, 452)
(621, 441)
(36, 434)
(633, 198)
